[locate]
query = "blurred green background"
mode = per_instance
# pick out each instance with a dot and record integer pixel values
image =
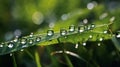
(21, 17)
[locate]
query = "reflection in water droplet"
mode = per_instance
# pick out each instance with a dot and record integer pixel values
(90, 36)
(11, 54)
(85, 21)
(24, 46)
(30, 41)
(72, 28)
(22, 50)
(1, 45)
(50, 32)
(63, 32)
(118, 34)
(38, 39)
(99, 44)
(101, 39)
(81, 29)
(10, 45)
(16, 39)
(23, 41)
(84, 44)
(76, 46)
(31, 35)
(105, 32)
(90, 5)
(92, 26)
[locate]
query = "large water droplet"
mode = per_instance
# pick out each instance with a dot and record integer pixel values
(63, 32)
(81, 29)
(50, 32)
(10, 45)
(72, 28)
(38, 39)
(23, 41)
(31, 35)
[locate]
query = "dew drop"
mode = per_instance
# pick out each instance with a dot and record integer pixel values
(118, 34)
(84, 44)
(76, 46)
(22, 50)
(101, 39)
(38, 39)
(81, 29)
(88, 27)
(50, 32)
(1, 45)
(11, 54)
(10, 45)
(23, 41)
(99, 44)
(24, 46)
(92, 26)
(105, 32)
(31, 35)
(63, 32)
(90, 36)
(16, 39)
(72, 28)
(30, 41)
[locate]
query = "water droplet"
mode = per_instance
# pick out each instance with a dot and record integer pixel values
(23, 41)
(22, 50)
(90, 5)
(31, 35)
(84, 44)
(63, 32)
(30, 41)
(16, 39)
(72, 28)
(85, 21)
(105, 32)
(90, 36)
(11, 54)
(76, 46)
(101, 39)
(50, 32)
(86, 28)
(99, 44)
(1, 45)
(112, 19)
(118, 34)
(10, 45)
(92, 26)
(81, 29)
(38, 39)
(24, 46)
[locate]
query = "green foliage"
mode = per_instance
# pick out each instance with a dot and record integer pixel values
(78, 36)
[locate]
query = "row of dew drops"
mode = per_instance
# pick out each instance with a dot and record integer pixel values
(63, 32)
